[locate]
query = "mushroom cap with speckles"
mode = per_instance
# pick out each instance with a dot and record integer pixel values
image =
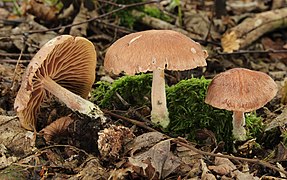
(154, 49)
(240, 89)
(69, 61)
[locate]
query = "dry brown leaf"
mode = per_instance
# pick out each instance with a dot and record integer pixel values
(81, 29)
(190, 161)
(206, 175)
(34, 41)
(143, 141)
(40, 10)
(156, 163)
(198, 23)
(92, 170)
(4, 13)
(275, 45)
(83, 15)
(117, 174)
(223, 166)
(279, 121)
(14, 137)
(229, 42)
(57, 128)
(5, 160)
(281, 152)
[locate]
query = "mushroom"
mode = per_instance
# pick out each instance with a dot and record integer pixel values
(65, 67)
(240, 90)
(154, 50)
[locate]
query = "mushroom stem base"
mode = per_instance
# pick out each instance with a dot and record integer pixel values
(72, 101)
(159, 113)
(239, 132)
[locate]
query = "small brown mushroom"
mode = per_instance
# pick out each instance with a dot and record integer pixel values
(240, 90)
(63, 66)
(155, 50)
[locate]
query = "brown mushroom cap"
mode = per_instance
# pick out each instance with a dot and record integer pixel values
(240, 89)
(69, 61)
(154, 49)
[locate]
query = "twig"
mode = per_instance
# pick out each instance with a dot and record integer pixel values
(123, 29)
(16, 68)
(123, 7)
(111, 3)
(54, 146)
(178, 141)
(65, 145)
(253, 52)
(13, 61)
(15, 54)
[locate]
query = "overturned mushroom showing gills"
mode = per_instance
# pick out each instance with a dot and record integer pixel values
(65, 67)
(155, 50)
(240, 90)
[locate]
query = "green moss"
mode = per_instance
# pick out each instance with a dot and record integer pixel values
(175, 4)
(254, 125)
(125, 16)
(127, 19)
(189, 113)
(134, 90)
(155, 12)
(100, 91)
(185, 100)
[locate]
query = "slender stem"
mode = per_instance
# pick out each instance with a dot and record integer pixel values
(159, 113)
(73, 101)
(239, 131)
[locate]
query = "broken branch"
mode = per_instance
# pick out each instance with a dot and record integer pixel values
(252, 28)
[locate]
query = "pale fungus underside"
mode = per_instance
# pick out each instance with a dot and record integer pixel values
(65, 67)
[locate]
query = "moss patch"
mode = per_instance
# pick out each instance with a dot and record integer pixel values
(185, 100)
(134, 90)
(189, 113)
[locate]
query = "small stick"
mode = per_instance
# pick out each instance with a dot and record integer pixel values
(16, 68)
(13, 61)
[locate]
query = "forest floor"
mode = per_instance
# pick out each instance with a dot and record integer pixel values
(237, 34)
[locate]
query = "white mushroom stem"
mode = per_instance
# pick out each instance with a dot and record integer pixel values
(159, 113)
(72, 101)
(239, 131)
